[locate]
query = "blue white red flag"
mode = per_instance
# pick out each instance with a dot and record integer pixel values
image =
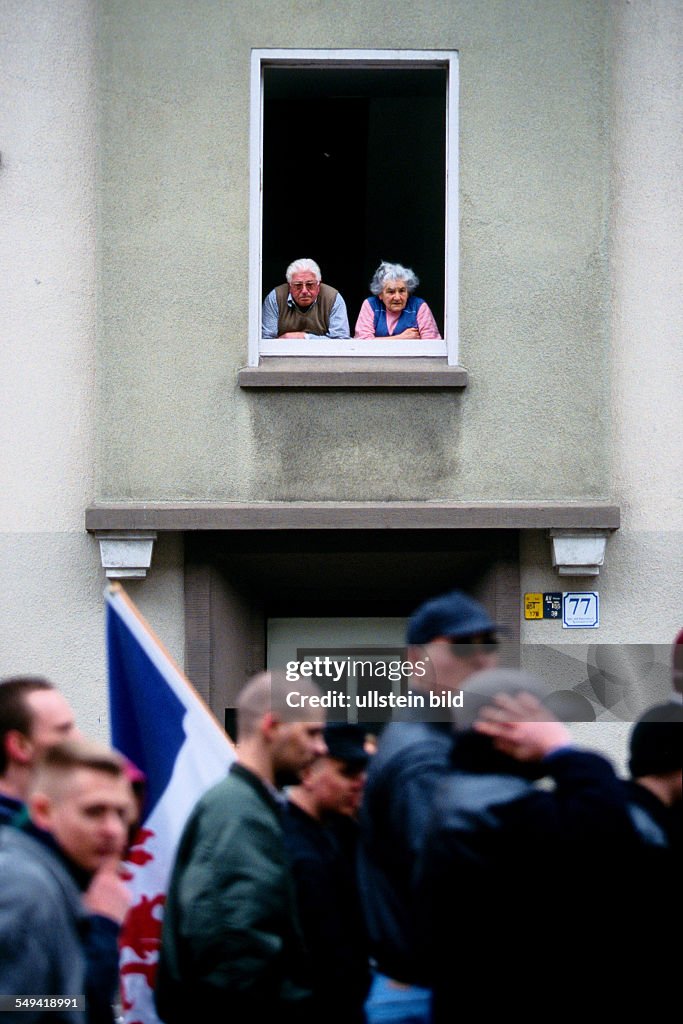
(161, 724)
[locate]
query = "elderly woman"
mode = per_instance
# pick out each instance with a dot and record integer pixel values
(392, 311)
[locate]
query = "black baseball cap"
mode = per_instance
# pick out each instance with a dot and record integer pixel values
(656, 744)
(346, 742)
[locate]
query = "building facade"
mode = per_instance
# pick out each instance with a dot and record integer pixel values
(164, 162)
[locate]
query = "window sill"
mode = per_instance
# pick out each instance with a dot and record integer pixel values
(343, 372)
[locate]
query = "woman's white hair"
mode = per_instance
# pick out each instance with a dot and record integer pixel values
(393, 272)
(298, 265)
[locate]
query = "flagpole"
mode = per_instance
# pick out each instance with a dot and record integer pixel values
(164, 726)
(114, 593)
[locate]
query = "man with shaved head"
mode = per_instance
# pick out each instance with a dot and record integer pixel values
(231, 945)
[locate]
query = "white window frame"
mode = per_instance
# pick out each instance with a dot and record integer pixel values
(258, 346)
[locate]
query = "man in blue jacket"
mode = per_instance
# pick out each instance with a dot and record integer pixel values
(34, 717)
(450, 638)
(80, 804)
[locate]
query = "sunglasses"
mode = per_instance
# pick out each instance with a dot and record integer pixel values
(476, 640)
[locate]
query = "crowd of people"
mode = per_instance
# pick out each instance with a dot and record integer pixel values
(304, 307)
(480, 856)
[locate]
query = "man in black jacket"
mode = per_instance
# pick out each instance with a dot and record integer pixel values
(321, 837)
(647, 878)
(514, 879)
(655, 764)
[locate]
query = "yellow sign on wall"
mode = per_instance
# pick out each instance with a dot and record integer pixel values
(533, 606)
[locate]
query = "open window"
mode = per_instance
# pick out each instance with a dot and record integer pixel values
(354, 160)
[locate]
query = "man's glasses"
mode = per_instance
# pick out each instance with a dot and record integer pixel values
(298, 285)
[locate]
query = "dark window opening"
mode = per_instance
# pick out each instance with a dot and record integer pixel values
(354, 171)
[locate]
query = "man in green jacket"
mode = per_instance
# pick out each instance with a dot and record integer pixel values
(231, 947)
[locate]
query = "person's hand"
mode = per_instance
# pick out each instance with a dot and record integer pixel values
(107, 894)
(411, 333)
(293, 334)
(522, 727)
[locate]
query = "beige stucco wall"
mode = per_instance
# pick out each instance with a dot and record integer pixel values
(51, 585)
(174, 259)
(641, 586)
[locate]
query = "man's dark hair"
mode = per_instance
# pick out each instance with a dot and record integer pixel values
(15, 713)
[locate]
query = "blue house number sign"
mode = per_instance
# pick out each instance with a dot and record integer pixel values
(580, 610)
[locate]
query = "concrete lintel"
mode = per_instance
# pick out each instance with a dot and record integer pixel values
(350, 515)
(126, 554)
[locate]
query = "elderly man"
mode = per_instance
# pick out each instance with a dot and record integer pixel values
(304, 307)
(231, 945)
(80, 804)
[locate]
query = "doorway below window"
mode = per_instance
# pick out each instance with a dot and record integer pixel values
(237, 582)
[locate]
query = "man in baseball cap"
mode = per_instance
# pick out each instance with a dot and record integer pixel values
(455, 615)
(321, 835)
(645, 878)
(454, 636)
(449, 637)
(656, 767)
